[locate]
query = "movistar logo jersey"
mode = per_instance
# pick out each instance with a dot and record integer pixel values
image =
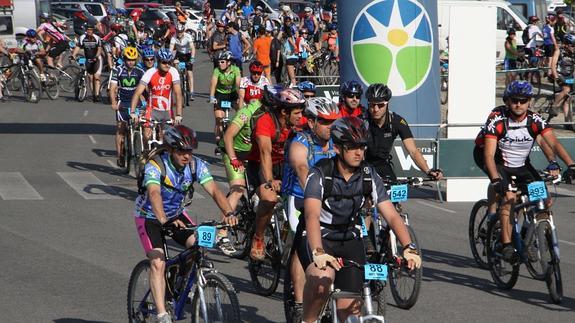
(127, 82)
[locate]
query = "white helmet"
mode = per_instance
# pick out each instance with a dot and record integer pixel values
(323, 108)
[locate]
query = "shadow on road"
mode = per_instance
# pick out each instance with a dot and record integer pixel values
(112, 190)
(104, 152)
(71, 320)
(97, 168)
(58, 128)
(537, 298)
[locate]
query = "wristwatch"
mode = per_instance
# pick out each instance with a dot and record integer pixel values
(318, 251)
(412, 246)
(231, 213)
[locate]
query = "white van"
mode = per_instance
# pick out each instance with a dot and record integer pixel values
(19, 15)
(97, 9)
(507, 17)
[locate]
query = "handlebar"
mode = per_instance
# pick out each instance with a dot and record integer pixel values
(169, 229)
(410, 181)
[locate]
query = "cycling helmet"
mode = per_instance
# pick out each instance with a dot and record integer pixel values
(140, 25)
(332, 26)
(180, 28)
(130, 52)
(45, 15)
(90, 26)
(569, 39)
(349, 131)
(323, 108)
(511, 31)
(31, 33)
(256, 67)
(148, 52)
(283, 97)
(220, 23)
(116, 27)
(181, 137)
(378, 92)
(351, 87)
(122, 11)
(165, 55)
(225, 55)
(306, 86)
(518, 88)
(551, 17)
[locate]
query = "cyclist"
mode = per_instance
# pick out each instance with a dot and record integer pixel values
(183, 45)
(162, 204)
(92, 47)
(224, 87)
(384, 127)
(34, 49)
(508, 139)
(58, 40)
(303, 151)
(251, 87)
(120, 40)
(350, 99)
(141, 33)
(566, 76)
(308, 89)
(332, 40)
(122, 87)
(265, 160)
(238, 45)
(148, 58)
(218, 42)
(550, 45)
(331, 221)
(159, 82)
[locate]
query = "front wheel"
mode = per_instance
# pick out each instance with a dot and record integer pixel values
(404, 283)
(550, 262)
(81, 89)
(67, 76)
(503, 273)
(478, 224)
(265, 274)
(221, 301)
(33, 88)
(141, 306)
(240, 234)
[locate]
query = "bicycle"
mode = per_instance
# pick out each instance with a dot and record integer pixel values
(81, 84)
(26, 78)
(65, 75)
(50, 85)
(535, 240)
(532, 62)
(189, 277)
(133, 146)
(184, 82)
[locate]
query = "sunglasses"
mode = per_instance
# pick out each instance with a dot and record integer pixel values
(378, 104)
(519, 100)
(257, 73)
(222, 62)
(324, 122)
(307, 96)
(184, 151)
(166, 62)
(354, 147)
(148, 59)
(352, 96)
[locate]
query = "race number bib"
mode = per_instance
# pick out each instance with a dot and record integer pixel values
(398, 193)
(206, 236)
(537, 191)
(375, 272)
(226, 104)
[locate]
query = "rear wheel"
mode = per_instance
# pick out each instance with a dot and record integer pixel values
(503, 273)
(265, 274)
(33, 88)
(292, 315)
(404, 283)
(67, 76)
(550, 262)
(51, 86)
(221, 301)
(240, 234)
(141, 307)
(105, 93)
(478, 224)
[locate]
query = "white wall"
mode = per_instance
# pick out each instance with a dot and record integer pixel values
(472, 56)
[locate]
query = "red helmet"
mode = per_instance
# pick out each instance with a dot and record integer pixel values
(116, 27)
(136, 13)
(256, 67)
(181, 137)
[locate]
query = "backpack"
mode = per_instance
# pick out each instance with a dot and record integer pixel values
(258, 114)
(525, 36)
(244, 24)
(327, 168)
(154, 156)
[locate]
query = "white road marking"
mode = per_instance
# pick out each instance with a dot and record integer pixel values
(92, 139)
(112, 163)
(563, 191)
(88, 186)
(435, 206)
(13, 186)
(85, 113)
(567, 242)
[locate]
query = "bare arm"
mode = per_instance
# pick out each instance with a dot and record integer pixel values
(312, 208)
(545, 148)
(213, 85)
(265, 145)
(178, 94)
(395, 222)
(298, 161)
(229, 136)
(241, 95)
(552, 141)
(489, 157)
(155, 196)
(113, 95)
(416, 155)
(136, 98)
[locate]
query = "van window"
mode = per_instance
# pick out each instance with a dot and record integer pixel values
(6, 25)
(95, 9)
(506, 21)
(520, 7)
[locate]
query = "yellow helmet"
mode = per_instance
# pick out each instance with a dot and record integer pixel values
(130, 52)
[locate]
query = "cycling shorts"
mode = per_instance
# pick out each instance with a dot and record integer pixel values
(150, 232)
(348, 279)
(255, 177)
(157, 115)
(57, 48)
(232, 97)
(123, 113)
(291, 61)
(94, 66)
(230, 171)
(294, 208)
(549, 50)
(185, 58)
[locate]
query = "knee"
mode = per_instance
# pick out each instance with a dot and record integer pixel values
(157, 264)
(319, 283)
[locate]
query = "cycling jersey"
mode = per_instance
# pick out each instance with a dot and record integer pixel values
(31, 47)
(160, 87)
(253, 91)
(357, 112)
(90, 45)
(266, 126)
(242, 119)
(172, 198)
(127, 81)
(290, 180)
(227, 81)
(121, 41)
(514, 138)
(51, 30)
(182, 45)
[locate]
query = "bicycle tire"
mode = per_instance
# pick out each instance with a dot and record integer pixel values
(498, 266)
(378, 300)
(136, 155)
(66, 76)
(535, 265)
(240, 234)
(535, 80)
(33, 88)
(51, 86)
(443, 89)
(81, 88)
(291, 315)
(105, 93)
(265, 274)
(550, 262)
(126, 152)
(478, 233)
(228, 312)
(400, 275)
(569, 116)
(139, 291)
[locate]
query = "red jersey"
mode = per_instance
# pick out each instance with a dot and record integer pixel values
(357, 112)
(160, 87)
(266, 126)
(253, 91)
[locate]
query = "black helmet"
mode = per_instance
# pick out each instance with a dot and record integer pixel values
(181, 137)
(378, 92)
(351, 87)
(349, 131)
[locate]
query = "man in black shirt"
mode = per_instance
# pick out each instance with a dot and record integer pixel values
(92, 46)
(384, 127)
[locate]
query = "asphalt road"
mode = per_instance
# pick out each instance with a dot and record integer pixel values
(68, 241)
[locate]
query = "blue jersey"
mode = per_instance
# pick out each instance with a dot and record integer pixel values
(181, 180)
(548, 33)
(290, 181)
(127, 82)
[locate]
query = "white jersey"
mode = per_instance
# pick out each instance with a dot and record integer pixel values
(182, 45)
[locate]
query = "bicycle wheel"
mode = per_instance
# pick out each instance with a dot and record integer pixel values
(221, 301)
(533, 253)
(67, 76)
(136, 154)
(404, 283)
(503, 273)
(240, 234)
(478, 223)
(141, 307)
(443, 89)
(550, 262)
(126, 152)
(81, 87)
(51, 86)
(265, 274)
(378, 302)
(105, 93)
(535, 80)
(291, 314)
(33, 88)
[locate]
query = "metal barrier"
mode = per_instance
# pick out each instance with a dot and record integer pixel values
(530, 69)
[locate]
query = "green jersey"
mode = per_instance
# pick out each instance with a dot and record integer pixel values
(243, 139)
(227, 81)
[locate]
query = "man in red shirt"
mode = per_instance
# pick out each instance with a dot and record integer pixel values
(349, 99)
(266, 158)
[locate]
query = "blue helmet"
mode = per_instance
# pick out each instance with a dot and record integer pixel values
(351, 87)
(306, 86)
(518, 88)
(569, 39)
(165, 54)
(31, 33)
(122, 11)
(148, 52)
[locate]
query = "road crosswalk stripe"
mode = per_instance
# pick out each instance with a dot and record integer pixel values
(13, 186)
(89, 186)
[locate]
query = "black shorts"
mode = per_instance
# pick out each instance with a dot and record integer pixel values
(549, 50)
(57, 49)
(150, 232)
(123, 113)
(348, 279)
(94, 65)
(291, 61)
(185, 58)
(254, 175)
(232, 97)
